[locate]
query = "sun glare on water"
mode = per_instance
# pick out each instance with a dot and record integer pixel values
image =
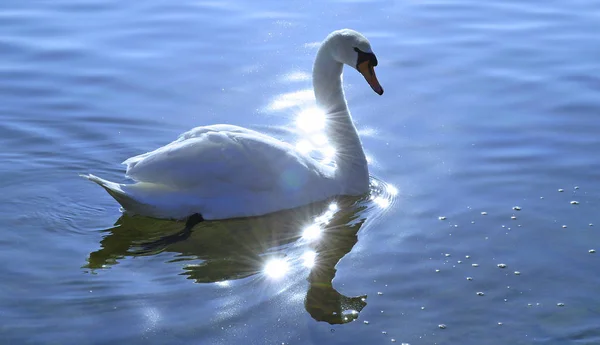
(312, 232)
(276, 268)
(309, 258)
(392, 190)
(381, 202)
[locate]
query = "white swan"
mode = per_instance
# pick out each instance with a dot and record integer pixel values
(225, 171)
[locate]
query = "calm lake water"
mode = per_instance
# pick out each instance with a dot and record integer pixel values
(488, 106)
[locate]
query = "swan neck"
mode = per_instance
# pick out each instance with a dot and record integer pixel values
(327, 84)
(351, 163)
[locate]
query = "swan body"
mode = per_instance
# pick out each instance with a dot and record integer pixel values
(225, 171)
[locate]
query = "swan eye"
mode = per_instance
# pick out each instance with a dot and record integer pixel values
(362, 57)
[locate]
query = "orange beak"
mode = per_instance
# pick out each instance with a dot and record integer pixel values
(367, 70)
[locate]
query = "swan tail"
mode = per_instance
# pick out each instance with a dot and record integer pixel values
(116, 191)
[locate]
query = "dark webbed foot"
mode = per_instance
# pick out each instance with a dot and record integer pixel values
(164, 241)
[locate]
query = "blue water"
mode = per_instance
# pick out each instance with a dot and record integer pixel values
(488, 106)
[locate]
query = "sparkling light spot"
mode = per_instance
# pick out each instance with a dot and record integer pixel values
(276, 268)
(311, 120)
(304, 146)
(319, 139)
(292, 99)
(367, 132)
(308, 259)
(312, 45)
(297, 76)
(326, 217)
(329, 151)
(152, 317)
(392, 190)
(381, 202)
(312, 232)
(224, 283)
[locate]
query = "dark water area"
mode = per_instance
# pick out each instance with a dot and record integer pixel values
(481, 227)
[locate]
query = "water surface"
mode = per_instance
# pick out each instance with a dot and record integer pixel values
(488, 106)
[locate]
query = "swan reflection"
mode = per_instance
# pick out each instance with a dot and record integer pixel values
(292, 245)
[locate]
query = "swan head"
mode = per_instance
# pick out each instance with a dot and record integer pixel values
(353, 49)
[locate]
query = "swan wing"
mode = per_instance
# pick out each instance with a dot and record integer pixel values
(223, 159)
